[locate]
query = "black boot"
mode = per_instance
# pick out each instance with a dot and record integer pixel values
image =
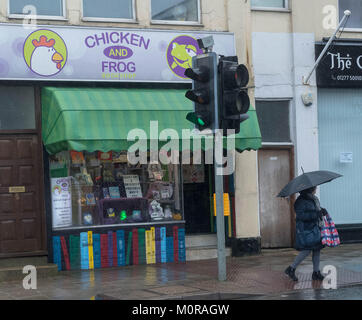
(317, 276)
(290, 272)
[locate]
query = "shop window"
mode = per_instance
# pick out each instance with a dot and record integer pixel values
(110, 9)
(175, 10)
(273, 119)
(48, 8)
(278, 4)
(103, 188)
(17, 111)
(355, 19)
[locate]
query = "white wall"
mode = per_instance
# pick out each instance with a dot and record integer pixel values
(280, 61)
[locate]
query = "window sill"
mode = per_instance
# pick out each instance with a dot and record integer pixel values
(119, 225)
(177, 23)
(20, 16)
(354, 30)
(109, 20)
(282, 10)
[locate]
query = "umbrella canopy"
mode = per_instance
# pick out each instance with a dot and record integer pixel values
(307, 180)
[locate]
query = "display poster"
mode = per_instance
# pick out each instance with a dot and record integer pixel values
(74, 53)
(132, 186)
(61, 202)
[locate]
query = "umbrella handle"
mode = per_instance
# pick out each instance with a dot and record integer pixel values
(302, 169)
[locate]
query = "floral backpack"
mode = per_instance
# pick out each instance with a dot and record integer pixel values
(329, 233)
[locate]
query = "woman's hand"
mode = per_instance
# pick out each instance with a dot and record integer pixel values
(324, 212)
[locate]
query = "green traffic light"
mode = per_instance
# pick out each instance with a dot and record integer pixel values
(192, 117)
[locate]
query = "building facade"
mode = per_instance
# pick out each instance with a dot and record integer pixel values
(88, 74)
(307, 126)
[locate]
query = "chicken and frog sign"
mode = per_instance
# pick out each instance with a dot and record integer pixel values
(45, 52)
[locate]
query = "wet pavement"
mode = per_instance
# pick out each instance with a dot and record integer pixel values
(253, 277)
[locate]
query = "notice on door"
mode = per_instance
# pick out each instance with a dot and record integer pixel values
(61, 202)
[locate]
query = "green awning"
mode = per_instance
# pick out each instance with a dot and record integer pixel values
(94, 119)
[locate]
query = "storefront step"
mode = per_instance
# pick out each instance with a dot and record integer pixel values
(12, 268)
(200, 240)
(204, 253)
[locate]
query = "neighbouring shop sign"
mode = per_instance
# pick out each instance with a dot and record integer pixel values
(61, 202)
(101, 54)
(341, 66)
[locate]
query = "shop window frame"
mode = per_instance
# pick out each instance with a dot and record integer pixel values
(357, 30)
(285, 8)
(110, 226)
(175, 22)
(62, 17)
(117, 20)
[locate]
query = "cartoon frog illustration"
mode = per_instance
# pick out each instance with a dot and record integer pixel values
(182, 55)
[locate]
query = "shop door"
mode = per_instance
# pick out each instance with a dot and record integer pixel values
(21, 218)
(275, 213)
(196, 200)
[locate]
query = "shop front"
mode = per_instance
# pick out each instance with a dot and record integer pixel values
(339, 80)
(97, 94)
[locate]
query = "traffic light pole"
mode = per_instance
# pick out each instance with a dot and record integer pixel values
(219, 186)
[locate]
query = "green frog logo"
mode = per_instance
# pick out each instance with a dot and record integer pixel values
(180, 52)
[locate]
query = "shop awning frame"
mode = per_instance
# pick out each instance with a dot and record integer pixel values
(99, 119)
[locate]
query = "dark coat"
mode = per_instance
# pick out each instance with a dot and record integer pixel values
(308, 235)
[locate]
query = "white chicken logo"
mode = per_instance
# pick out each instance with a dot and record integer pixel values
(45, 60)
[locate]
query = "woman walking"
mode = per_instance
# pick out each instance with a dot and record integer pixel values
(309, 220)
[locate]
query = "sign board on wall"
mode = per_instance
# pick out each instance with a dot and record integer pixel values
(101, 54)
(341, 67)
(61, 202)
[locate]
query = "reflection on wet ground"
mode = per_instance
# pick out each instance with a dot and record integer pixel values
(253, 277)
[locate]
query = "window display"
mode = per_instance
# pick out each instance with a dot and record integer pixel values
(102, 188)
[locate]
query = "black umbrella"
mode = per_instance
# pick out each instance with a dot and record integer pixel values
(307, 180)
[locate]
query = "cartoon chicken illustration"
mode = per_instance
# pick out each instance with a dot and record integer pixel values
(45, 60)
(182, 55)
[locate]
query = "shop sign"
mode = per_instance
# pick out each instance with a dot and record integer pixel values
(61, 202)
(101, 54)
(341, 66)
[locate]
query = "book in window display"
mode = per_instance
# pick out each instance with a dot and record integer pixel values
(90, 199)
(114, 192)
(87, 219)
(155, 172)
(119, 157)
(77, 157)
(111, 213)
(105, 156)
(91, 159)
(108, 175)
(155, 211)
(106, 194)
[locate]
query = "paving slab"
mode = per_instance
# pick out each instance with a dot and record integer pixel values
(248, 277)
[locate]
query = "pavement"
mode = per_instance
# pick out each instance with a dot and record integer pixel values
(250, 277)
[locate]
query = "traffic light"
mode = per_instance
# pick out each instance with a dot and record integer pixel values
(234, 100)
(204, 90)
